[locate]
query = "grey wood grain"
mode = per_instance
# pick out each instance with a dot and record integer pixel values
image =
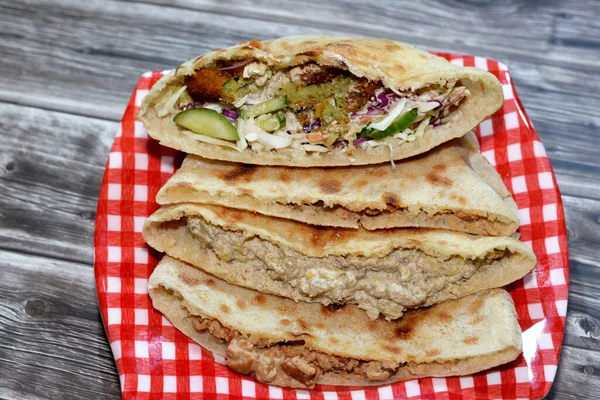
(52, 343)
(51, 167)
(577, 376)
(68, 68)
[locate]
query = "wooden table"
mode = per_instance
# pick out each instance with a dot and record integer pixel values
(67, 69)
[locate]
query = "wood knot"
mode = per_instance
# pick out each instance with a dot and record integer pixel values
(588, 370)
(588, 326)
(89, 215)
(35, 307)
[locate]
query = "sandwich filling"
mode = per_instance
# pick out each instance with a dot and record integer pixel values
(310, 108)
(289, 364)
(403, 278)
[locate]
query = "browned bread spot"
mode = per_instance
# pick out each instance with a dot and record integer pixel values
(224, 309)
(392, 349)
(391, 199)
(432, 353)
(241, 304)
(444, 316)
(476, 320)
(439, 179)
(473, 308)
(326, 311)
(470, 340)
(254, 43)
(285, 177)
(188, 280)
(440, 168)
(302, 324)
(260, 299)
(403, 332)
(211, 282)
(329, 186)
(242, 172)
(247, 192)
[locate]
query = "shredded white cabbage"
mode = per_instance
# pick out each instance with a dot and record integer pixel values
(257, 146)
(167, 105)
(422, 126)
(240, 102)
(387, 121)
(275, 142)
(403, 134)
(392, 155)
(253, 133)
(210, 139)
(315, 147)
(428, 106)
(213, 106)
(241, 144)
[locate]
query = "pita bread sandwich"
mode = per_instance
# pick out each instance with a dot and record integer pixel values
(383, 271)
(450, 187)
(298, 345)
(317, 101)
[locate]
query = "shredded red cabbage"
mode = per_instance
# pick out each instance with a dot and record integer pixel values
(230, 114)
(309, 127)
(360, 141)
(373, 110)
(340, 144)
(383, 99)
(237, 65)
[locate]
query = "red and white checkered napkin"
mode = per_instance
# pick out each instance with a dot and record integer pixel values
(156, 361)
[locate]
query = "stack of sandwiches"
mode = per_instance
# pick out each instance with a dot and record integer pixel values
(334, 222)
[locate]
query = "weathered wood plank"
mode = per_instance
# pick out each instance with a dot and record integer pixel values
(52, 341)
(486, 25)
(582, 328)
(51, 166)
(582, 229)
(577, 375)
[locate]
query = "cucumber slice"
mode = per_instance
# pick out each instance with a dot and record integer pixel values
(207, 122)
(400, 123)
(265, 107)
(270, 122)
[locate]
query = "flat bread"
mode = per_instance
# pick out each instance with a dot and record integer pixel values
(451, 187)
(398, 66)
(383, 271)
(453, 338)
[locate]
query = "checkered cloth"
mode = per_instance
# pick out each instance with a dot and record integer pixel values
(156, 361)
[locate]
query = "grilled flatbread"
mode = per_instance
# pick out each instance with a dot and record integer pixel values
(451, 187)
(382, 271)
(298, 345)
(317, 101)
